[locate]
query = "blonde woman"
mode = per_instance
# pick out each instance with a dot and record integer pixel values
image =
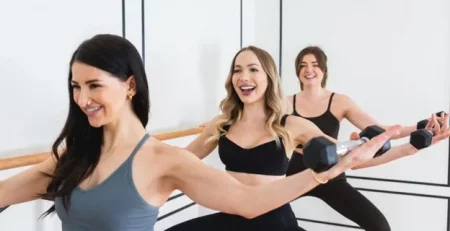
(255, 139)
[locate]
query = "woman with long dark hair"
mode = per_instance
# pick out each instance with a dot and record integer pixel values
(108, 173)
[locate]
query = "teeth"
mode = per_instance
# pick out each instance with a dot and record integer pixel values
(247, 88)
(93, 109)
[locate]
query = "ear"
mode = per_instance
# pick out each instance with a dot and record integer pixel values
(131, 83)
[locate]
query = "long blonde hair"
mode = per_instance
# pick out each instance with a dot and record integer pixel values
(231, 106)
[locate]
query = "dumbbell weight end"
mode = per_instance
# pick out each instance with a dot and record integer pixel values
(421, 138)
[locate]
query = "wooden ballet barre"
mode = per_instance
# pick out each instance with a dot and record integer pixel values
(25, 160)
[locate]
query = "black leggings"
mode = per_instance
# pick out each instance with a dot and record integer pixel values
(346, 200)
(279, 219)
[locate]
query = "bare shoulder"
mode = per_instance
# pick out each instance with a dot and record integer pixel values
(163, 156)
(342, 99)
(155, 148)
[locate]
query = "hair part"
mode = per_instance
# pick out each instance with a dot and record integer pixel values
(81, 154)
(232, 107)
(321, 58)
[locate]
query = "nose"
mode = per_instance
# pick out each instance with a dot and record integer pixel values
(245, 76)
(309, 68)
(83, 98)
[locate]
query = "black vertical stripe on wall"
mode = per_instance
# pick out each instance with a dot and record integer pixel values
(143, 29)
(123, 19)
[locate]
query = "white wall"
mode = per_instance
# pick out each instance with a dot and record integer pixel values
(187, 45)
(187, 53)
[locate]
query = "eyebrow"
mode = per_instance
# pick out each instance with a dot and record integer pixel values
(87, 82)
(251, 64)
(314, 62)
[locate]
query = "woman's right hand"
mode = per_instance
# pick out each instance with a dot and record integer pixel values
(360, 154)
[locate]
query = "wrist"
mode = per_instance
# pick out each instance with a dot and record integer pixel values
(321, 178)
(408, 149)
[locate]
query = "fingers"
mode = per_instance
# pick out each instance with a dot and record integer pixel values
(368, 150)
(436, 125)
(354, 136)
(430, 123)
(445, 122)
(377, 142)
(444, 130)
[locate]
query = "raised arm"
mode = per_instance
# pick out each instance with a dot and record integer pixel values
(198, 146)
(359, 118)
(407, 149)
(27, 185)
(218, 190)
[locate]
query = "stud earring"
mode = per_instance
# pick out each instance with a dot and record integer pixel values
(129, 97)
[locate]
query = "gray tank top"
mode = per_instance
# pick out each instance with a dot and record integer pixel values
(113, 205)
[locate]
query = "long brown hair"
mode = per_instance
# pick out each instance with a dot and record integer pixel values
(231, 106)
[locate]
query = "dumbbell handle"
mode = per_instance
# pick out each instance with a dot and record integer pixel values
(343, 147)
(431, 131)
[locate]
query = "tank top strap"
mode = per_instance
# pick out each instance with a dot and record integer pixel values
(294, 97)
(139, 145)
(283, 119)
(329, 102)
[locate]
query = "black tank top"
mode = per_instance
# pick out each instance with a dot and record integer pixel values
(327, 123)
(266, 159)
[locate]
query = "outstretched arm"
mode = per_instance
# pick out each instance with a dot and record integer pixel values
(26, 185)
(407, 149)
(218, 190)
(310, 130)
(359, 118)
(198, 146)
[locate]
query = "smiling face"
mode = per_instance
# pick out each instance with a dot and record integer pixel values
(310, 73)
(311, 67)
(249, 78)
(101, 96)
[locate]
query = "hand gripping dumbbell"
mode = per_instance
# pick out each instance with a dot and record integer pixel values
(423, 123)
(422, 138)
(320, 153)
